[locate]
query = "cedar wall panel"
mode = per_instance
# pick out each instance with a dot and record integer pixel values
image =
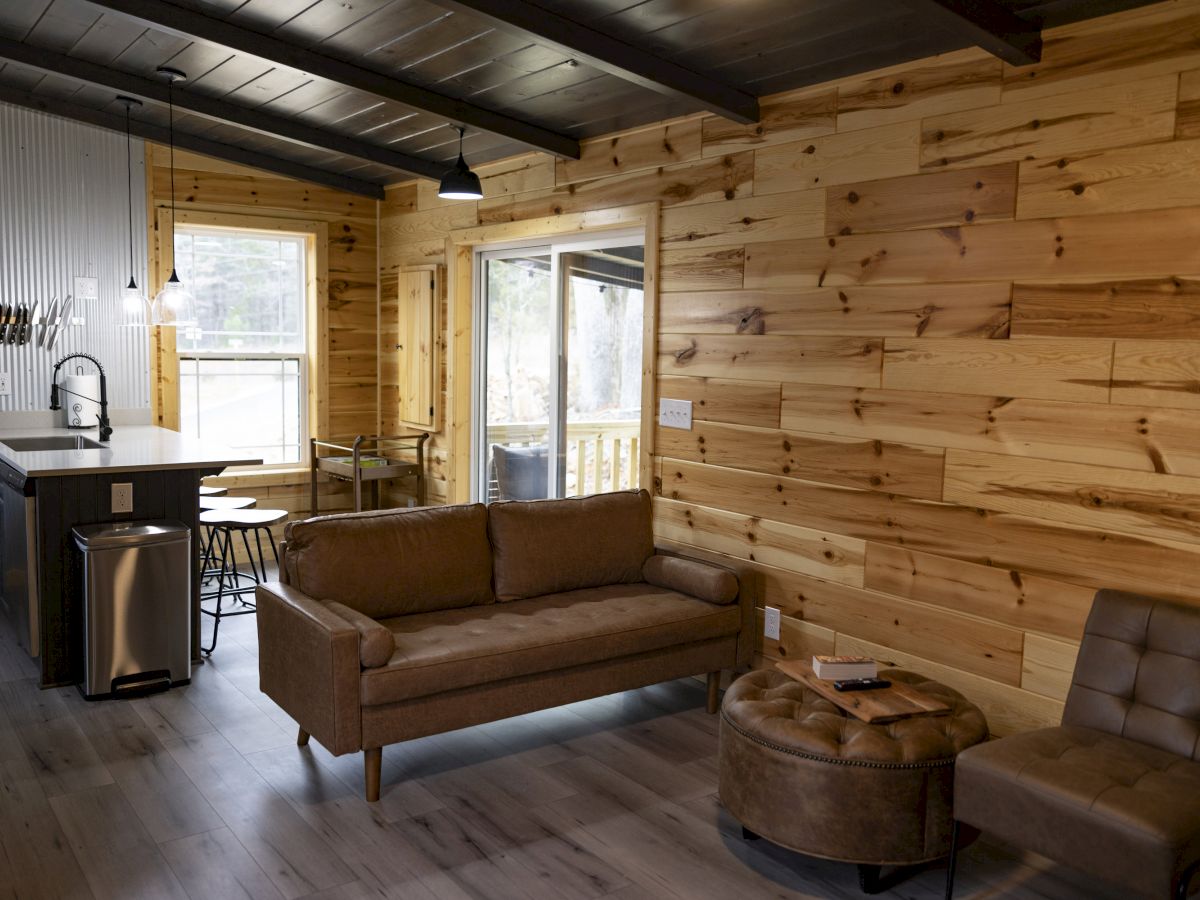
(939, 328)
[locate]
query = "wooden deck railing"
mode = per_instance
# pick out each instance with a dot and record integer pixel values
(601, 456)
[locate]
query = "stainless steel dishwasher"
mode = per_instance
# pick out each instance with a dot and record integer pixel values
(137, 606)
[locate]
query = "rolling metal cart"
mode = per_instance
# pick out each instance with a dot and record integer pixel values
(371, 459)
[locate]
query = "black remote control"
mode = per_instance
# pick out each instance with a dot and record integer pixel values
(861, 684)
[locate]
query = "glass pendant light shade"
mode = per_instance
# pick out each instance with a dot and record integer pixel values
(460, 183)
(173, 305)
(135, 307)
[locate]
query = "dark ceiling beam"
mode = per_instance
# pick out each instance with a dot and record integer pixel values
(114, 122)
(244, 117)
(986, 24)
(193, 25)
(601, 51)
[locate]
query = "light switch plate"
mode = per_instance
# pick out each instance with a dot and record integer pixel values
(87, 288)
(675, 414)
(5, 385)
(122, 498)
(771, 623)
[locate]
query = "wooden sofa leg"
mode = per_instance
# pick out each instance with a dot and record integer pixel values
(714, 691)
(302, 738)
(372, 767)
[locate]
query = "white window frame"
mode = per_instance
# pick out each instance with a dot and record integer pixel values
(303, 358)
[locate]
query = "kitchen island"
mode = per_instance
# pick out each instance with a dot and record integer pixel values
(47, 492)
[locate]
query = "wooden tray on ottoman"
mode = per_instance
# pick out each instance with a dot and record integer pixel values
(877, 706)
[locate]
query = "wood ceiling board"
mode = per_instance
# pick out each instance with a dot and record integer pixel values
(17, 18)
(164, 16)
(261, 15)
(266, 87)
(544, 84)
(64, 23)
(154, 49)
(393, 24)
(436, 68)
(191, 102)
(107, 39)
(905, 49)
(209, 148)
(640, 19)
(811, 32)
(623, 59)
(310, 95)
(327, 18)
(403, 53)
(19, 77)
(230, 75)
(733, 23)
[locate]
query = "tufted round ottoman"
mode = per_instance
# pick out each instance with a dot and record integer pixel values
(797, 770)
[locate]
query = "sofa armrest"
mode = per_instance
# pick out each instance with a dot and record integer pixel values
(308, 663)
(375, 643)
(692, 577)
(750, 589)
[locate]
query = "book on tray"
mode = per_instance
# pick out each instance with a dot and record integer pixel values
(844, 668)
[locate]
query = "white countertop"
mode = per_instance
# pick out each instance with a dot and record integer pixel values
(132, 448)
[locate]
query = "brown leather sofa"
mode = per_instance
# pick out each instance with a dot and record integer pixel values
(392, 625)
(1115, 790)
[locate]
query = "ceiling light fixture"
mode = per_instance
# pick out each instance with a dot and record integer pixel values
(460, 183)
(173, 305)
(133, 300)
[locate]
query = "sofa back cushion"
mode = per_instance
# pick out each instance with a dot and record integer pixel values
(548, 546)
(394, 562)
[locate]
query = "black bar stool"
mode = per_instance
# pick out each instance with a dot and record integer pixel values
(218, 502)
(233, 584)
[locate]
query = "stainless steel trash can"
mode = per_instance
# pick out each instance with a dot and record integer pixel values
(137, 606)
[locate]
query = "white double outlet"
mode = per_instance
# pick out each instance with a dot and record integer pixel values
(122, 498)
(675, 414)
(771, 623)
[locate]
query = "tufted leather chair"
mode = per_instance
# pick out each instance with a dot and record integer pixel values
(1114, 790)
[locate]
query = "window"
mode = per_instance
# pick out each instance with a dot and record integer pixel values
(242, 370)
(559, 368)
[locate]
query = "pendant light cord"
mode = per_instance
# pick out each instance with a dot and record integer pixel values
(171, 140)
(129, 185)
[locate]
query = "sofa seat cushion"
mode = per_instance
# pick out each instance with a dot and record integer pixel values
(455, 648)
(1124, 810)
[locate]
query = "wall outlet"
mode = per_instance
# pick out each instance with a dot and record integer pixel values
(122, 498)
(771, 623)
(675, 414)
(5, 385)
(87, 288)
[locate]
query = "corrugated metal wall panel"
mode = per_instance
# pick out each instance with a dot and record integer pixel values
(63, 213)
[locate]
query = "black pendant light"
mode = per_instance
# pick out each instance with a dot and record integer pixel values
(173, 305)
(133, 301)
(460, 183)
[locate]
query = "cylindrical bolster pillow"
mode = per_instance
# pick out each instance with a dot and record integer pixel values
(689, 576)
(375, 643)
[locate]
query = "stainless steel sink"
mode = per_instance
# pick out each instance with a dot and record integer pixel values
(51, 442)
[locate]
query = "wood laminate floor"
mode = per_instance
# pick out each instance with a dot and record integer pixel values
(202, 793)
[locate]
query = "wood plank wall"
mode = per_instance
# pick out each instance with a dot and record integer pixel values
(350, 300)
(941, 327)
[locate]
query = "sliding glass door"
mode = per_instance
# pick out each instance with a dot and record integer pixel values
(558, 363)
